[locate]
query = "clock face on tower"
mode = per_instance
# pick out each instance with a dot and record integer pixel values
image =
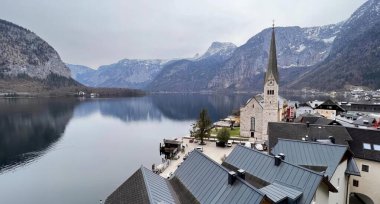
(270, 83)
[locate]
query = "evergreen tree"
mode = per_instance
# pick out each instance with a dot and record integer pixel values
(202, 127)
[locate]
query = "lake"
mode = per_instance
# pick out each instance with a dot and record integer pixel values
(80, 151)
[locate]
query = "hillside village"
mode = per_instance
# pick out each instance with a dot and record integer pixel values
(316, 152)
(269, 150)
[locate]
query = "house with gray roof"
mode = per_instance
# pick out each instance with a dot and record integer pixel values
(198, 180)
(335, 162)
(330, 109)
(315, 119)
(280, 180)
(143, 187)
(305, 131)
(365, 145)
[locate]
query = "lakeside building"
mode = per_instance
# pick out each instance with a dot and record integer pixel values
(364, 144)
(334, 161)
(266, 107)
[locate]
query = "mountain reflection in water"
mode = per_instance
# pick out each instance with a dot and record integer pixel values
(79, 151)
(30, 126)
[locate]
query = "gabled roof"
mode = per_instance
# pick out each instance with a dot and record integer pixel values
(352, 168)
(297, 131)
(143, 186)
(207, 181)
(312, 154)
(307, 117)
(329, 102)
(262, 166)
(361, 136)
(325, 121)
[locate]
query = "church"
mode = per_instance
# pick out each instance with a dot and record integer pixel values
(265, 107)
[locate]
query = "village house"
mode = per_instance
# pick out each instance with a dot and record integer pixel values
(284, 181)
(304, 108)
(329, 109)
(363, 143)
(334, 161)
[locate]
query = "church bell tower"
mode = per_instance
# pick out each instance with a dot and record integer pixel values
(271, 88)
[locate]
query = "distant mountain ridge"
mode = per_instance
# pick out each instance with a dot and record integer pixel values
(321, 57)
(224, 66)
(127, 73)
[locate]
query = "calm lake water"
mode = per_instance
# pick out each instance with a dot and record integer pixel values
(56, 151)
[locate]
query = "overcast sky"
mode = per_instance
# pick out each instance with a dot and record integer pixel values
(98, 32)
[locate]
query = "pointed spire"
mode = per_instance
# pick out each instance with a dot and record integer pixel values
(272, 63)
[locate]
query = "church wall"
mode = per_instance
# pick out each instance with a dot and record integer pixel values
(252, 109)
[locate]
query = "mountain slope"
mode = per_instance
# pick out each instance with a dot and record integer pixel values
(23, 52)
(29, 66)
(192, 75)
(297, 47)
(355, 54)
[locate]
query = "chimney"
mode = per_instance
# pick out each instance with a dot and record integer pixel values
(277, 160)
(231, 177)
(282, 155)
(241, 174)
(307, 124)
(332, 139)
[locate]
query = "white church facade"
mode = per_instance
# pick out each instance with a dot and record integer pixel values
(265, 107)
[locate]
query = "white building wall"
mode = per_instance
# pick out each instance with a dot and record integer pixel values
(322, 195)
(304, 109)
(339, 180)
(369, 182)
(329, 114)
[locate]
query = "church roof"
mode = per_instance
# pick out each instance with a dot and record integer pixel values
(272, 62)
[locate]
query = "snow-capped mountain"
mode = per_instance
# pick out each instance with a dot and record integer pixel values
(220, 49)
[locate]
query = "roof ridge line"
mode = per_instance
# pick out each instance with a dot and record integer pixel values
(146, 183)
(312, 142)
(314, 172)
